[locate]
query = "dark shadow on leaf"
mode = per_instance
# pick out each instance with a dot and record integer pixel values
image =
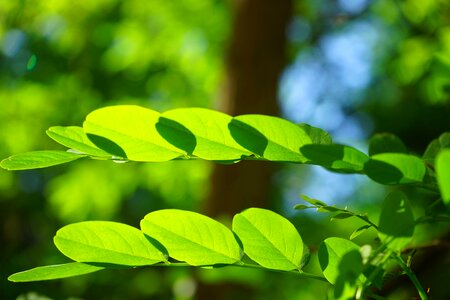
(108, 265)
(157, 245)
(350, 267)
(382, 172)
(107, 145)
(323, 255)
(396, 218)
(248, 137)
(323, 155)
(176, 134)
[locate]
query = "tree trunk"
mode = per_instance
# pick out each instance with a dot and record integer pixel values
(255, 60)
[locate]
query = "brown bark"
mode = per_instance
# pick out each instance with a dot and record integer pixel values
(254, 63)
(255, 60)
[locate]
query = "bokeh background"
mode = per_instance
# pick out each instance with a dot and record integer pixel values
(351, 67)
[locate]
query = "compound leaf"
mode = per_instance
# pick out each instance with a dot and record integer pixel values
(269, 239)
(107, 242)
(191, 237)
(54, 272)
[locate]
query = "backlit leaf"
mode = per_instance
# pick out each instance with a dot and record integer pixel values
(269, 239)
(339, 158)
(74, 137)
(192, 237)
(200, 132)
(386, 143)
(359, 231)
(38, 159)
(270, 137)
(54, 272)
(317, 135)
(395, 168)
(435, 147)
(331, 252)
(443, 174)
(107, 242)
(129, 132)
(396, 223)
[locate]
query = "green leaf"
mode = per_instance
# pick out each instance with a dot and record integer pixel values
(38, 159)
(331, 252)
(350, 270)
(269, 239)
(328, 208)
(74, 137)
(270, 137)
(359, 231)
(302, 207)
(312, 201)
(395, 168)
(386, 143)
(435, 147)
(341, 216)
(129, 132)
(107, 242)
(191, 237)
(201, 132)
(443, 174)
(339, 158)
(54, 272)
(396, 223)
(317, 135)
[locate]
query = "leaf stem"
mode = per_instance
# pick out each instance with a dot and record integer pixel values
(244, 265)
(423, 295)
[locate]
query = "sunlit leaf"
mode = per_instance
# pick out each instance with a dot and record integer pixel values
(359, 231)
(395, 168)
(269, 239)
(328, 208)
(317, 135)
(331, 252)
(54, 272)
(129, 132)
(350, 269)
(74, 137)
(386, 143)
(107, 242)
(270, 137)
(341, 216)
(312, 201)
(443, 174)
(396, 223)
(339, 158)
(38, 159)
(200, 132)
(192, 237)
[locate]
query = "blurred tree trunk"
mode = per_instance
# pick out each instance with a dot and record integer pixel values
(255, 60)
